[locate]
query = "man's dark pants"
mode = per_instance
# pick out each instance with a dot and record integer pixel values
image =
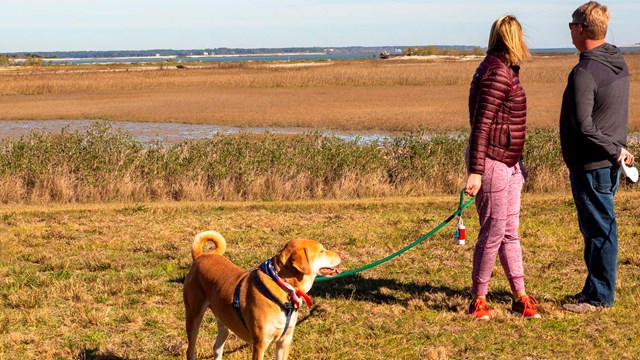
(593, 193)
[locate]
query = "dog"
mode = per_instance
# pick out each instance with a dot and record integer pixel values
(260, 306)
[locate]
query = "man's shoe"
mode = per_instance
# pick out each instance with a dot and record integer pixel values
(581, 307)
(526, 306)
(576, 298)
(479, 309)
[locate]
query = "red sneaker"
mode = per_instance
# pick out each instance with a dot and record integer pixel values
(480, 309)
(527, 307)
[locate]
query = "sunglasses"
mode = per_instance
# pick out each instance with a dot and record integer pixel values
(572, 24)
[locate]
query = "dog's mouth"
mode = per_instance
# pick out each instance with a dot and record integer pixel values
(329, 271)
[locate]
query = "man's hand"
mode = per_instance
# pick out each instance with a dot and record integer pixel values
(625, 154)
(474, 181)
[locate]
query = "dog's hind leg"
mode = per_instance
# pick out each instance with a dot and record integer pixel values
(223, 334)
(259, 348)
(195, 309)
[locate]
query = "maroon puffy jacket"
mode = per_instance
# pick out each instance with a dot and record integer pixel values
(497, 113)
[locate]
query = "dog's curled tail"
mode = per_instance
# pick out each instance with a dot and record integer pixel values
(202, 238)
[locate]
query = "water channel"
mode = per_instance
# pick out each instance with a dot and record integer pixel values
(170, 133)
(173, 133)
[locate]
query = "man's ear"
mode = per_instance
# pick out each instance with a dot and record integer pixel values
(300, 261)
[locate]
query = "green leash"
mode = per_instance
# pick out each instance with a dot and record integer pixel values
(461, 207)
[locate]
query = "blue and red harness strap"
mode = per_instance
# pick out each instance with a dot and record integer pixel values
(294, 294)
(288, 308)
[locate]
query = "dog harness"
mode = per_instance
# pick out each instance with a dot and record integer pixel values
(295, 295)
(236, 301)
(288, 308)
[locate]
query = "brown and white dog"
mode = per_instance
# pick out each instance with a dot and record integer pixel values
(258, 306)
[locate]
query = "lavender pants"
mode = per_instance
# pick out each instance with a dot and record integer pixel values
(498, 205)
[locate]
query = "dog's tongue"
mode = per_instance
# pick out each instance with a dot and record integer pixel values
(326, 271)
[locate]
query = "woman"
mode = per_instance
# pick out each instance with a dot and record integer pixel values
(497, 113)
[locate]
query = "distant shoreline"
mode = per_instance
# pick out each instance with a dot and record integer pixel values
(539, 50)
(181, 56)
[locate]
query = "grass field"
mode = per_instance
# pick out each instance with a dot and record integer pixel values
(104, 281)
(391, 95)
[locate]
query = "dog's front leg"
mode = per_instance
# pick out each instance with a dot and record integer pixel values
(223, 334)
(283, 346)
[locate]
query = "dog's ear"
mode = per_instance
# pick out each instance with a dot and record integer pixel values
(300, 261)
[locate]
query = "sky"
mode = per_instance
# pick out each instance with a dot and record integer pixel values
(72, 25)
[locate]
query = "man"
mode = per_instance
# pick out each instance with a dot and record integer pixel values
(593, 136)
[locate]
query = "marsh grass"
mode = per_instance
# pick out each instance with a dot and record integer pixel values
(392, 95)
(101, 164)
(104, 281)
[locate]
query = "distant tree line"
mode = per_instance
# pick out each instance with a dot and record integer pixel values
(184, 52)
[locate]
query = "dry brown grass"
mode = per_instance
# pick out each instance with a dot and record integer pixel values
(382, 95)
(104, 281)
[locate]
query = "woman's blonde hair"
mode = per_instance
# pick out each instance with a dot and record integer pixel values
(506, 41)
(594, 18)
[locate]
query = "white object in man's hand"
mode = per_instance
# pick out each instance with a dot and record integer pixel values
(629, 171)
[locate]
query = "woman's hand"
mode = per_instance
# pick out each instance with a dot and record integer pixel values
(474, 181)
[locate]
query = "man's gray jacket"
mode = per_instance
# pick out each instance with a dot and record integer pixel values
(595, 110)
